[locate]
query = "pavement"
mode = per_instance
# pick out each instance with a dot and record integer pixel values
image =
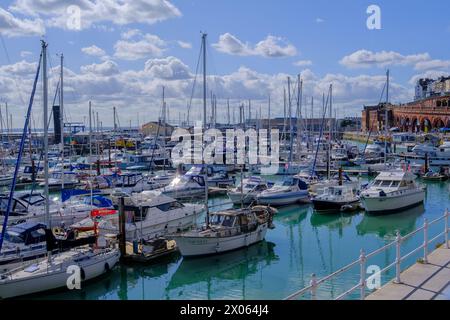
(429, 281)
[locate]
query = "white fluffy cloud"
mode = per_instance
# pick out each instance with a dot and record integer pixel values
(366, 59)
(107, 68)
(146, 47)
(169, 68)
(94, 51)
(271, 47)
(185, 45)
(139, 91)
(118, 12)
(432, 64)
(12, 26)
(303, 63)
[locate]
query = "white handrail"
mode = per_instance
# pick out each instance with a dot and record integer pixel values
(314, 283)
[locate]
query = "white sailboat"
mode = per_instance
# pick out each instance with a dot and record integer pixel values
(53, 273)
(293, 190)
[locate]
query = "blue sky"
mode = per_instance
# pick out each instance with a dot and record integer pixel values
(143, 45)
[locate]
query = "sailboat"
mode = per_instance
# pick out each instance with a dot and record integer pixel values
(291, 191)
(50, 273)
(226, 230)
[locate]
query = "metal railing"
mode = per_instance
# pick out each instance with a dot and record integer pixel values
(362, 285)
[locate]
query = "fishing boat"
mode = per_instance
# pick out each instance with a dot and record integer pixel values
(248, 189)
(150, 215)
(227, 230)
(293, 190)
(392, 191)
(336, 198)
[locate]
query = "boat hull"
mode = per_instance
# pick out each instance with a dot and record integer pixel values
(202, 246)
(392, 204)
(247, 198)
(283, 199)
(323, 205)
(55, 280)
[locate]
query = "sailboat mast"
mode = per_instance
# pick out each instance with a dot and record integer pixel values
(61, 116)
(386, 117)
(290, 121)
(330, 132)
(204, 80)
(204, 125)
(45, 98)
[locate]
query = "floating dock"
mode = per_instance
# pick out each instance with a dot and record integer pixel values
(429, 281)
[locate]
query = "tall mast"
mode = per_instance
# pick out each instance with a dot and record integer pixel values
(386, 117)
(90, 132)
(204, 80)
(204, 124)
(268, 118)
(299, 112)
(114, 115)
(1, 122)
(290, 121)
(284, 114)
(228, 111)
(45, 98)
(61, 116)
(330, 132)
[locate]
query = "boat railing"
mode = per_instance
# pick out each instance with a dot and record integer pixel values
(399, 258)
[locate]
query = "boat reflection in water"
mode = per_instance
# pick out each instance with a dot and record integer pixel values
(291, 215)
(386, 226)
(332, 221)
(232, 266)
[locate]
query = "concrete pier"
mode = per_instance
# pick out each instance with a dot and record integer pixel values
(429, 281)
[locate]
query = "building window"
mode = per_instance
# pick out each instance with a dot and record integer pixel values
(438, 103)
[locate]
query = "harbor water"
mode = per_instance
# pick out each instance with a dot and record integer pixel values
(302, 243)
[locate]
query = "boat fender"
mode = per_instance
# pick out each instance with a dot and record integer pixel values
(107, 268)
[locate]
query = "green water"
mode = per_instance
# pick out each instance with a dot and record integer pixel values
(301, 244)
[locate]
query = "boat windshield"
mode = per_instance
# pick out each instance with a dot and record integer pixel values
(250, 186)
(216, 219)
(288, 183)
(14, 237)
(228, 221)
